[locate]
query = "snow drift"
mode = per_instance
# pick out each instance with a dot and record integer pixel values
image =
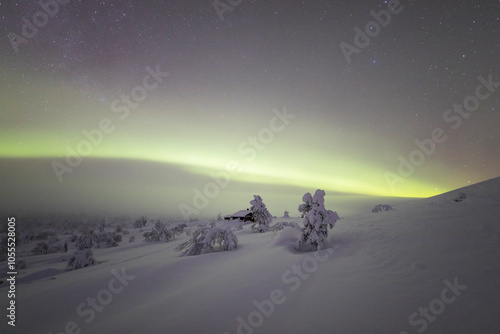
(429, 266)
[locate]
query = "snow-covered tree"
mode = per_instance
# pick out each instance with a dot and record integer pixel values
(317, 219)
(286, 214)
(84, 241)
(307, 205)
(163, 232)
(179, 229)
(140, 222)
(44, 248)
(158, 233)
(209, 239)
(41, 248)
(261, 215)
(106, 239)
(81, 259)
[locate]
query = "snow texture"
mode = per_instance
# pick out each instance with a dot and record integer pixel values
(383, 273)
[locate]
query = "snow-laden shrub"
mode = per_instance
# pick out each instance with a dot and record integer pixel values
(81, 259)
(460, 197)
(152, 236)
(106, 239)
(261, 215)
(382, 207)
(132, 238)
(317, 219)
(209, 239)
(179, 229)
(159, 232)
(140, 222)
(44, 248)
(162, 232)
(41, 248)
(118, 229)
(281, 225)
(84, 241)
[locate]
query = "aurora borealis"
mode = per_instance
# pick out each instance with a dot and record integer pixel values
(92, 81)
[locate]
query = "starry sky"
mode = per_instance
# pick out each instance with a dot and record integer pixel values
(191, 107)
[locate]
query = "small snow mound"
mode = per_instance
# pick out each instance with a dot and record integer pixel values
(287, 236)
(381, 208)
(460, 197)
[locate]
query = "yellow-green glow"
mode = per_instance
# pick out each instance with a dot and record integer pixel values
(342, 175)
(205, 135)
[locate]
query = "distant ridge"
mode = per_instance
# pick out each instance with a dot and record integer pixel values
(488, 188)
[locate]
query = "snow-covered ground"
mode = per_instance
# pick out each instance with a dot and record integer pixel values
(429, 266)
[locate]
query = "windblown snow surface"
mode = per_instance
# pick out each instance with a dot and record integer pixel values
(428, 266)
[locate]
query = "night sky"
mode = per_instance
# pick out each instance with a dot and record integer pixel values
(139, 107)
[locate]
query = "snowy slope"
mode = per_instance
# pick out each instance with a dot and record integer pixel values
(431, 265)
